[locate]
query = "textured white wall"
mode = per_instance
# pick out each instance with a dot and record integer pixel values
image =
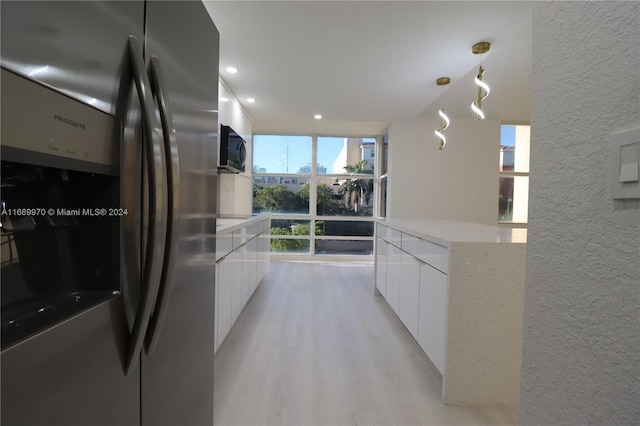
(235, 191)
(459, 183)
(581, 357)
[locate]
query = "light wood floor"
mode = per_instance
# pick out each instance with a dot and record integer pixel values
(314, 346)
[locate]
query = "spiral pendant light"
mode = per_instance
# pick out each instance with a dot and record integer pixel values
(444, 119)
(483, 88)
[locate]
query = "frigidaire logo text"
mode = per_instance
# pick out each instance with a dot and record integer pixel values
(69, 121)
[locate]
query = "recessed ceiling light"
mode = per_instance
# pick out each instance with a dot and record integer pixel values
(251, 100)
(317, 117)
(232, 70)
(223, 99)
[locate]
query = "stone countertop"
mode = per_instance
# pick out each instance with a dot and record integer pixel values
(446, 232)
(226, 225)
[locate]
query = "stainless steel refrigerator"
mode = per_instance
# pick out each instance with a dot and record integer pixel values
(109, 188)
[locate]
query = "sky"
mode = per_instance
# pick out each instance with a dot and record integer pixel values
(270, 152)
(279, 154)
(508, 135)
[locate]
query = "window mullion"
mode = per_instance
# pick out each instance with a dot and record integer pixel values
(376, 181)
(313, 182)
(313, 194)
(510, 173)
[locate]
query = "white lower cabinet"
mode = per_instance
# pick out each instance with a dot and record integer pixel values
(398, 281)
(432, 333)
(264, 250)
(394, 265)
(415, 290)
(253, 248)
(223, 294)
(240, 267)
(382, 248)
(247, 279)
(237, 260)
(409, 295)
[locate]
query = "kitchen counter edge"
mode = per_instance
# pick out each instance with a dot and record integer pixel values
(447, 232)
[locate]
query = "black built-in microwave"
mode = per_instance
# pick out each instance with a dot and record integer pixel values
(233, 150)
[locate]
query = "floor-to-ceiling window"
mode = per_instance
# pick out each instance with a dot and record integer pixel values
(321, 191)
(513, 198)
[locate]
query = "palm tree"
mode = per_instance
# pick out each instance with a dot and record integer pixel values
(357, 191)
(358, 168)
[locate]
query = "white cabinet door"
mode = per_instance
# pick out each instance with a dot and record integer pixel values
(393, 277)
(409, 301)
(433, 314)
(223, 302)
(260, 257)
(236, 291)
(254, 263)
(381, 266)
(247, 278)
(266, 248)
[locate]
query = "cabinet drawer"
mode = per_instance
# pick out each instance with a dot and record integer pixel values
(383, 231)
(389, 234)
(224, 245)
(253, 230)
(394, 237)
(238, 238)
(433, 254)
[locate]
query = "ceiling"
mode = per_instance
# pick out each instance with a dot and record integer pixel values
(364, 64)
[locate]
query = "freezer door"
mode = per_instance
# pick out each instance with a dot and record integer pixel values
(177, 377)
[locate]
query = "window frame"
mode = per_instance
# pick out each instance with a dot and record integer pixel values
(314, 179)
(513, 174)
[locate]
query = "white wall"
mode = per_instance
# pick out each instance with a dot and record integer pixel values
(235, 191)
(581, 358)
(458, 183)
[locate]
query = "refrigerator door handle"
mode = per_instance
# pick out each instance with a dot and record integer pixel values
(173, 193)
(153, 151)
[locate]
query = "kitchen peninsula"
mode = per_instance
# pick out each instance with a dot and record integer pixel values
(459, 290)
